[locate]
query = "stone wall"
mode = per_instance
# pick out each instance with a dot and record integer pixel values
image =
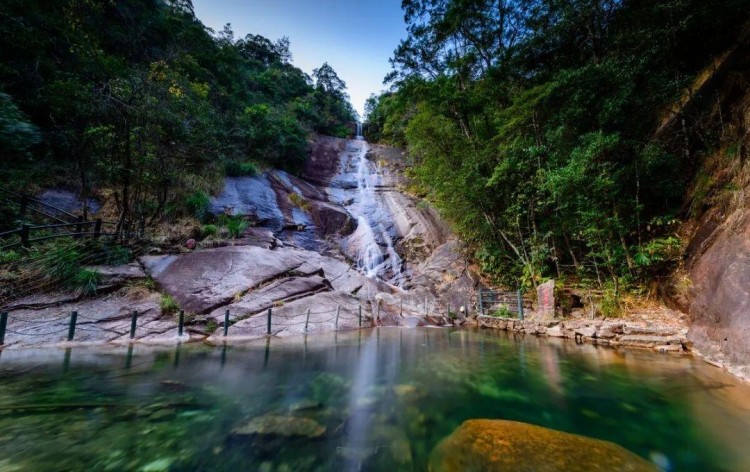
(611, 333)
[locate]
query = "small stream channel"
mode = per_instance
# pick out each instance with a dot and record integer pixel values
(377, 399)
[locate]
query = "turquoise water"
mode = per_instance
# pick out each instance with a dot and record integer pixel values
(384, 398)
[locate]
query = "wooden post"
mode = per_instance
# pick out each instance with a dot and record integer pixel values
(360, 316)
(268, 331)
(72, 326)
(401, 308)
(79, 227)
(181, 323)
(226, 323)
(98, 228)
(307, 320)
(24, 205)
(3, 325)
(25, 236)
(133, 321)
(338, 312)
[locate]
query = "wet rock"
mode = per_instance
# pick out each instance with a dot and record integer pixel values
(586, 331)
(285, 426)
(279, 292)
(118, 275)
(68, 201)
(250, 196)
(101, 319)
(499, 445)
(305, 405)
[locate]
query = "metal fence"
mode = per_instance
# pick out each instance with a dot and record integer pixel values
(270, 324)
(504, 303)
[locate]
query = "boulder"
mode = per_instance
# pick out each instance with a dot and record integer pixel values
(499, 445)
(285, 426)
(118, 275)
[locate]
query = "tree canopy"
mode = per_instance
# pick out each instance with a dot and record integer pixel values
(139, 97)
(532, 126)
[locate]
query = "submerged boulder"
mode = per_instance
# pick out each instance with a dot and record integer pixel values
(500, 445)
(285, 426)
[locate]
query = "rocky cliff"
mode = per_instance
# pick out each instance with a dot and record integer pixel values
(713, 283)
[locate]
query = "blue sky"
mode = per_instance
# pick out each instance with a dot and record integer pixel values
(356, 37)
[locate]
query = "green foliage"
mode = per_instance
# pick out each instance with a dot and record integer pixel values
(235, 225)
(240, 169)
(537, 141)
(209, 230)
(609, 305)
(142, 106)
(168, 305)
(198, 204)
(86, 281)
(502, 311)
(6, 257)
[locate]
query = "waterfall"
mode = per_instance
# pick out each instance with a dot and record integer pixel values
(370, 211)
(359, 131)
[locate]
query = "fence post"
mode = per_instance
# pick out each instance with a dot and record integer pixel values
(360, 316)
(338, 312)
(226, 323)
(133, 321)
(519, 295)
(97, 228)
(307, 320)
(3, 324)
(24, 205)
(79, 227)
(72, 327)
(268, 331)
(25, 236)
(401, 308)
(181, 323)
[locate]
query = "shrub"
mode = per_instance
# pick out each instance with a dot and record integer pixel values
(209, 230)
(9, 256)
(240, 169)
(168, 305)
(235, 225)
(610, 305)
(502, 311)
(117, 255)
(198, 203)
(86, 282)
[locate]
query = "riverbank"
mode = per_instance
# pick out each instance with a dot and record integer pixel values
(666, 337)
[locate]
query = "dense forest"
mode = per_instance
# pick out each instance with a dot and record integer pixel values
(141, 100)
(532, 126)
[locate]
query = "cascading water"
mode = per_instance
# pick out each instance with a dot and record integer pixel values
(372, 234)
(359, 131)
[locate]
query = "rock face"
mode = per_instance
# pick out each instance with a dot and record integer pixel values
(340, 238)
(716, 290)
(498, 445)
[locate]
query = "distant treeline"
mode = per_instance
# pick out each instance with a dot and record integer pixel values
(532, 126)
(139, 98)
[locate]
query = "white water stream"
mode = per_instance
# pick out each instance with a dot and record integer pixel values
(372, 216)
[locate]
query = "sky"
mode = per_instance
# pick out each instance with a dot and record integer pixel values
(356, 37)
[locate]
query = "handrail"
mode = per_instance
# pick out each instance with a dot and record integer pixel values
(34, 200)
